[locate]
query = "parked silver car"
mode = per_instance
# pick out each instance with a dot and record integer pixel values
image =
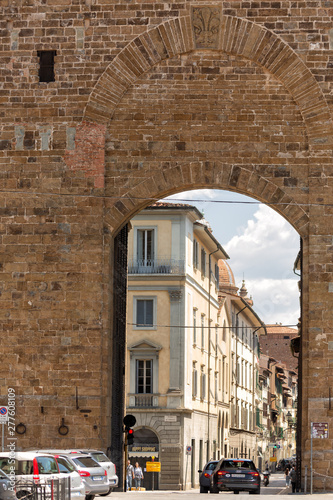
(95, 478)
(7, 492)
(66, 469)
(106, 463)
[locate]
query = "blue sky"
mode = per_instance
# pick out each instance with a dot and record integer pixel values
(262, 247)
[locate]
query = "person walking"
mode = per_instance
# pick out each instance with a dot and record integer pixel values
(292, 475)
(138, 475)
(129, 475)
(286, 473)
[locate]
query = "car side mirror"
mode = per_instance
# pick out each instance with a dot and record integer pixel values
(199, 470)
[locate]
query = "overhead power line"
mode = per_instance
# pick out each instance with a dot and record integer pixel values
(154, 199)
(210, 327)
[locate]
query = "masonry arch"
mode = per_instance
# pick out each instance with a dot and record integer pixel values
(237, 36)
(242, 40)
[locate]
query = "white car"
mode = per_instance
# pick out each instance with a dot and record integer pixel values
(29, 467)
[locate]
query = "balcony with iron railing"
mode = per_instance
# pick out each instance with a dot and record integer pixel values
(143, 400)
(156, 266)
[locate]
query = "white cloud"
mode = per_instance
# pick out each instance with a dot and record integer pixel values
(267, 247)
(264, 255)
(275, 301)
(262, 247)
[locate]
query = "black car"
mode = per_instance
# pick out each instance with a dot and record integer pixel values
(235, 474)
(204, 480)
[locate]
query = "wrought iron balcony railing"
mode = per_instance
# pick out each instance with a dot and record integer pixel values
(156, 266)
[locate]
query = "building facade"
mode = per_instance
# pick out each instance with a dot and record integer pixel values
(192, 347)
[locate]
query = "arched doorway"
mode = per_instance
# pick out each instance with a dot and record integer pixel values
(146, 449)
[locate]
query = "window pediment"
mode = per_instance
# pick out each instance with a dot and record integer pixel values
(144, 346)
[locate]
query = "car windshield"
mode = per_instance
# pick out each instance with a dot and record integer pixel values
(237, 464)
(64, 465)
(100, 457)
(85, 462)
(47, 465)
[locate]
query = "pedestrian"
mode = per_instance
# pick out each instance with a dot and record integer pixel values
(286, 473)
(292, 475)
(129, 475)
(138, 475)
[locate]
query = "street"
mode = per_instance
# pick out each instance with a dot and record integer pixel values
(276, 487)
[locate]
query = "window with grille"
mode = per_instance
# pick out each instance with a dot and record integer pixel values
(46, 65)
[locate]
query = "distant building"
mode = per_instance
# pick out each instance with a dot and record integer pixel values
(178, 383)
(244, 359)
(277, 344)
(280, 363)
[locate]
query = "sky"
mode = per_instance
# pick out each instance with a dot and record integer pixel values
(262, 247)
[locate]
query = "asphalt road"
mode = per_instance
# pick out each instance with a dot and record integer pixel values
(275, 487)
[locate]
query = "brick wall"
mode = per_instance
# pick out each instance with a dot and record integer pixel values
(147, 102)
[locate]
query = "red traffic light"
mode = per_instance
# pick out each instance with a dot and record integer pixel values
(130, 432)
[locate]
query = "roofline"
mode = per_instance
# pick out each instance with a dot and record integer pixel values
(185, 207)
(212, 237)
(262, 324)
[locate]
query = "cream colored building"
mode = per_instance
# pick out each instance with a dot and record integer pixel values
(178, 385)
(244, 366)
(192, 364)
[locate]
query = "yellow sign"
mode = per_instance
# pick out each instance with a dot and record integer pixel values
(153, 466)
(272, 459)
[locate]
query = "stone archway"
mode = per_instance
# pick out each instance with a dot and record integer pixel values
(301, 203)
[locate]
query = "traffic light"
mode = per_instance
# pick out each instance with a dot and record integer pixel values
(129, 421)
(130, 436)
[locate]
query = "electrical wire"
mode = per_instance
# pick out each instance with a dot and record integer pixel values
(138, 325)
(163, 200)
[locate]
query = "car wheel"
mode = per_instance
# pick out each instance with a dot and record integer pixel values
(255, 492)
(90, 497)
(236, 492)
(105, 494)
(214, 489)
(203, 489)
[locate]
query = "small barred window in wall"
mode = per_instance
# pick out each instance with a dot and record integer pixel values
(144, 312)
(144, 376)
(46, 65)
